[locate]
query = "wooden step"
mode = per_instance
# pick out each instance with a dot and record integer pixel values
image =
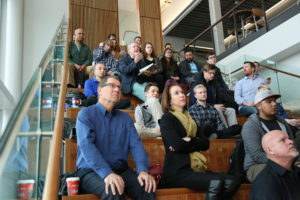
(217, 155)
(173, 194)
(134, 101)
(217, 158)
(73, 112)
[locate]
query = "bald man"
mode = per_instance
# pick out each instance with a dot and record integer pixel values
(280, 179)
(79, 61)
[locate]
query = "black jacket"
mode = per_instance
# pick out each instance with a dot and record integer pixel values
(129, 72)
(276, 183)
(211, 87)
(185, 68)
(219, 79)
(177, 163)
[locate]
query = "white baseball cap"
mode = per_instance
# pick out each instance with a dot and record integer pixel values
(264, 94)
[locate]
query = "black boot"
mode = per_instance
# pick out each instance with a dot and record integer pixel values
(214, 190)
(230, 187)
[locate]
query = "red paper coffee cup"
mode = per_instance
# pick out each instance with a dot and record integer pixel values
(73, 185)
(25, 189)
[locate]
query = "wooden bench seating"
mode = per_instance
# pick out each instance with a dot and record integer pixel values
(173, 194)
(217, 156)
(72, 113)
(134, 101)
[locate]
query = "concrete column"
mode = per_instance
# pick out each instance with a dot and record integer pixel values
(215, 15)
(14, 48)
(12, 53)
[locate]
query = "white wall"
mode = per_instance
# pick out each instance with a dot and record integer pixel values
(282, 45)
(41, 19)
(281, 40)
(173, 13)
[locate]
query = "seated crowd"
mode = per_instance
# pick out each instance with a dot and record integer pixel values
(106, 135)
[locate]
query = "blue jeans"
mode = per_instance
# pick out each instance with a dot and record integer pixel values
(247, 110)
(139, 90)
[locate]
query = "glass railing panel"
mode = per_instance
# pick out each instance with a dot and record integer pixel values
(27, 146)
(241, 23)
(280, 76)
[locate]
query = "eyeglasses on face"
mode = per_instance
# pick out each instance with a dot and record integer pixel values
(112, 85)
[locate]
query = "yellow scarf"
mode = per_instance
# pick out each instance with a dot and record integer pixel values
(198, 160)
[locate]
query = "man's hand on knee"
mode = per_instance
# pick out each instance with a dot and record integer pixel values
(77, 67)
(115, 182)
(147, 180)
(82, 68)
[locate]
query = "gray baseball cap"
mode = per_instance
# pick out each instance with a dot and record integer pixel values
(264, 94)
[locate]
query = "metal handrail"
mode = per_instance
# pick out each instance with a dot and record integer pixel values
(211, 26)
(266, 67)
(53, 170)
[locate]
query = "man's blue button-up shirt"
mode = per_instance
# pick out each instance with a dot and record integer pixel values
(105, 139)
(91, 87)
(245, 89)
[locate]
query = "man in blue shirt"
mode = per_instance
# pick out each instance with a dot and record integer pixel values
(91, 87)
(245, 90)
(189, 67)
(105, 137)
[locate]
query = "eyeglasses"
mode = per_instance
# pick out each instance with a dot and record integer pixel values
(112, 85)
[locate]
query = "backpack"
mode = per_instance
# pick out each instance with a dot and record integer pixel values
(69, 128)
(236, 162)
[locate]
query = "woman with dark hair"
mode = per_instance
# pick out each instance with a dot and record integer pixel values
(150, 58)
(170, 67)
(116, 49)
(184, 165)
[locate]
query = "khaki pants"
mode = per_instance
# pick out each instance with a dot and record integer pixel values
(231, 117)
(254, 170)
(89, 70)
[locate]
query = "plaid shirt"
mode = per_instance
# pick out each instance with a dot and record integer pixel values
(206, 116)
(106, 58)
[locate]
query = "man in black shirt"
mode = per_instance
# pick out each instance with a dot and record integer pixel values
(280, 179)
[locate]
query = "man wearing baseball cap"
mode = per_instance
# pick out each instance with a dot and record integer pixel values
(257, 126)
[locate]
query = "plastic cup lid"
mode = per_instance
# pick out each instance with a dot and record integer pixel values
(73, 179)
(25, 181)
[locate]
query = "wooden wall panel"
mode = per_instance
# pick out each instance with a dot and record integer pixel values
(151, 32)
(150, 9)
(111, 5)
(150, 21)
(98, 18)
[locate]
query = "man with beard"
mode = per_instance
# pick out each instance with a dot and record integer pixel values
(257, 126)
(189, 67)
(91, 87)
(79, 60)
(246, 88)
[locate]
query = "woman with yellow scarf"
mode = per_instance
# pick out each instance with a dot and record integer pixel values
(184, 164)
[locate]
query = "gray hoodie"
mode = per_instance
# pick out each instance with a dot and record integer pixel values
(252, 134)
